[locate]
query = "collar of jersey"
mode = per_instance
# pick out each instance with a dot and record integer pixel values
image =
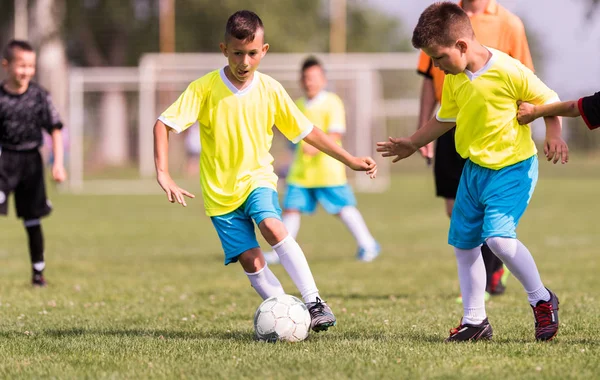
(486, 67)
(234, 89)
(316, 100)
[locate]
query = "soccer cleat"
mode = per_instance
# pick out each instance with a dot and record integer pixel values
(486, 297)
(272, 257)
(38, 279)
(321, 316)
(545, 314)
(368, 256)
(497, 286)
(468, 332)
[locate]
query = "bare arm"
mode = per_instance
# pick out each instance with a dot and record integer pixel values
(59, 174)
(529, 112)
(161, 162)
(427, 104)
(329, 146)
(310, 150)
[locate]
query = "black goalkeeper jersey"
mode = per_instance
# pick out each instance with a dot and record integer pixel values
(23, 116)
(589, 107)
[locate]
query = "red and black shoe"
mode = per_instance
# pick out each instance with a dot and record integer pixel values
(38, 280)
(467, 332)
(546, 318)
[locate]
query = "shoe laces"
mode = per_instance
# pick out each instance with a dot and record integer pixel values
(318, 308)
(543, 314)
(455, 330)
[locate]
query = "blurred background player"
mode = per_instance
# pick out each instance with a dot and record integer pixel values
(587, 107)
(26, 109)
(192, 150)
(237, 107)
(316, 178)
(497, 28)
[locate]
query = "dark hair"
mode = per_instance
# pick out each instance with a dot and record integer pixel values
(9, 50)
(311, 62)
(441, 24)
(243, 25)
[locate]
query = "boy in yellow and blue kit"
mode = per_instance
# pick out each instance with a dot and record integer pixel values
(236, 108)
(315, 178)
(480, 97)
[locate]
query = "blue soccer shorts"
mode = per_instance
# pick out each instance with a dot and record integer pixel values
(490, 203)
(236, 229)
(305, 199)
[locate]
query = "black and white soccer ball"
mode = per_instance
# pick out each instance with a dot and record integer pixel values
(282, 318)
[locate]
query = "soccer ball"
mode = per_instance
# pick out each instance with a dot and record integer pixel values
(284, 318)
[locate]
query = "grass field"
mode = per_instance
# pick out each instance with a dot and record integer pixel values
(138, 290)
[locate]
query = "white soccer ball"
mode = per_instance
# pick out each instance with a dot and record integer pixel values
(284, 318)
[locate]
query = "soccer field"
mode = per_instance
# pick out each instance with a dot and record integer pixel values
(138, 290)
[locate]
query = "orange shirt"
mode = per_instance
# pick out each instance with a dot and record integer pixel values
(497, 28)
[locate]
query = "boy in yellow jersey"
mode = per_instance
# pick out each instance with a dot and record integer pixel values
(236, 108)
(315, 177)
(480, 95)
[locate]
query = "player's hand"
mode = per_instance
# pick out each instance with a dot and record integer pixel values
(555, 149)
(399, 147)
(427, 152)
(174, 192)
(309, 150)
(364, 164)
(59, 174)
(525, 113)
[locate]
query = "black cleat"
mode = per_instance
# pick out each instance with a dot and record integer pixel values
(468, 332)
(546, 318)
(38, 279)
(321, 316)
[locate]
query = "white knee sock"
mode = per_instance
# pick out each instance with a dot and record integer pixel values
(519, 261)
(471, 274)
(353, 219)
(291, 221)
(293, 260)
(265, 283)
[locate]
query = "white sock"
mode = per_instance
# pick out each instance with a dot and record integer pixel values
(472, 278)
(265, 283)
(291, 221)
(293, 260)
(519, 261)
(353, 219)
(39, 266)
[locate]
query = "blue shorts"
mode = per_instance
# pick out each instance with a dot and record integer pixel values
(305, 199)
(489, 203)
(236, 230)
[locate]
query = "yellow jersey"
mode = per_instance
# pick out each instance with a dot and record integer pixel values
(236, 132)
(484, 107)
(326, 111)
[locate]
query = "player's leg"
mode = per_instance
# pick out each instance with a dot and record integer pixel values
(236, 232)
(297, 200)
(340, 201)
(263, 206)
(507, 197)
(32, 204)
(465, 236)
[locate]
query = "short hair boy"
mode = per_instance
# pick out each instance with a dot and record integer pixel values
(25, 110)
(236, 108)
(480, 95)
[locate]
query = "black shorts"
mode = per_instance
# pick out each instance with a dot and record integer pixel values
(448, 166)
(23, 174)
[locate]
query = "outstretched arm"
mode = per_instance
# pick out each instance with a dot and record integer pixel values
(528, 112)
(405, 147)
(161, 162)
(327, 145)
(427, 105)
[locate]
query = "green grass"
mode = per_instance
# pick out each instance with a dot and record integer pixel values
(138, 290)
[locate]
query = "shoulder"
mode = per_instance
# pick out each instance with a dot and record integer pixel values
(268, 82)
(36, 88)
(506, 63)
(205, 81)
(510, 20)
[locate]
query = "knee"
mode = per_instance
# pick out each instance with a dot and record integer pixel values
(502, 247)
(273, 230)
(252, 260)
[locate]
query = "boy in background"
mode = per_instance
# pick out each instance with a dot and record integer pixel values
(316, 178)
(25, 110)
(236, 108)
(480, 97)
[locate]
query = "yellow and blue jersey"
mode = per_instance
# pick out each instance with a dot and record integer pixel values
(327, 112)
(484, 107)
(236, 134)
